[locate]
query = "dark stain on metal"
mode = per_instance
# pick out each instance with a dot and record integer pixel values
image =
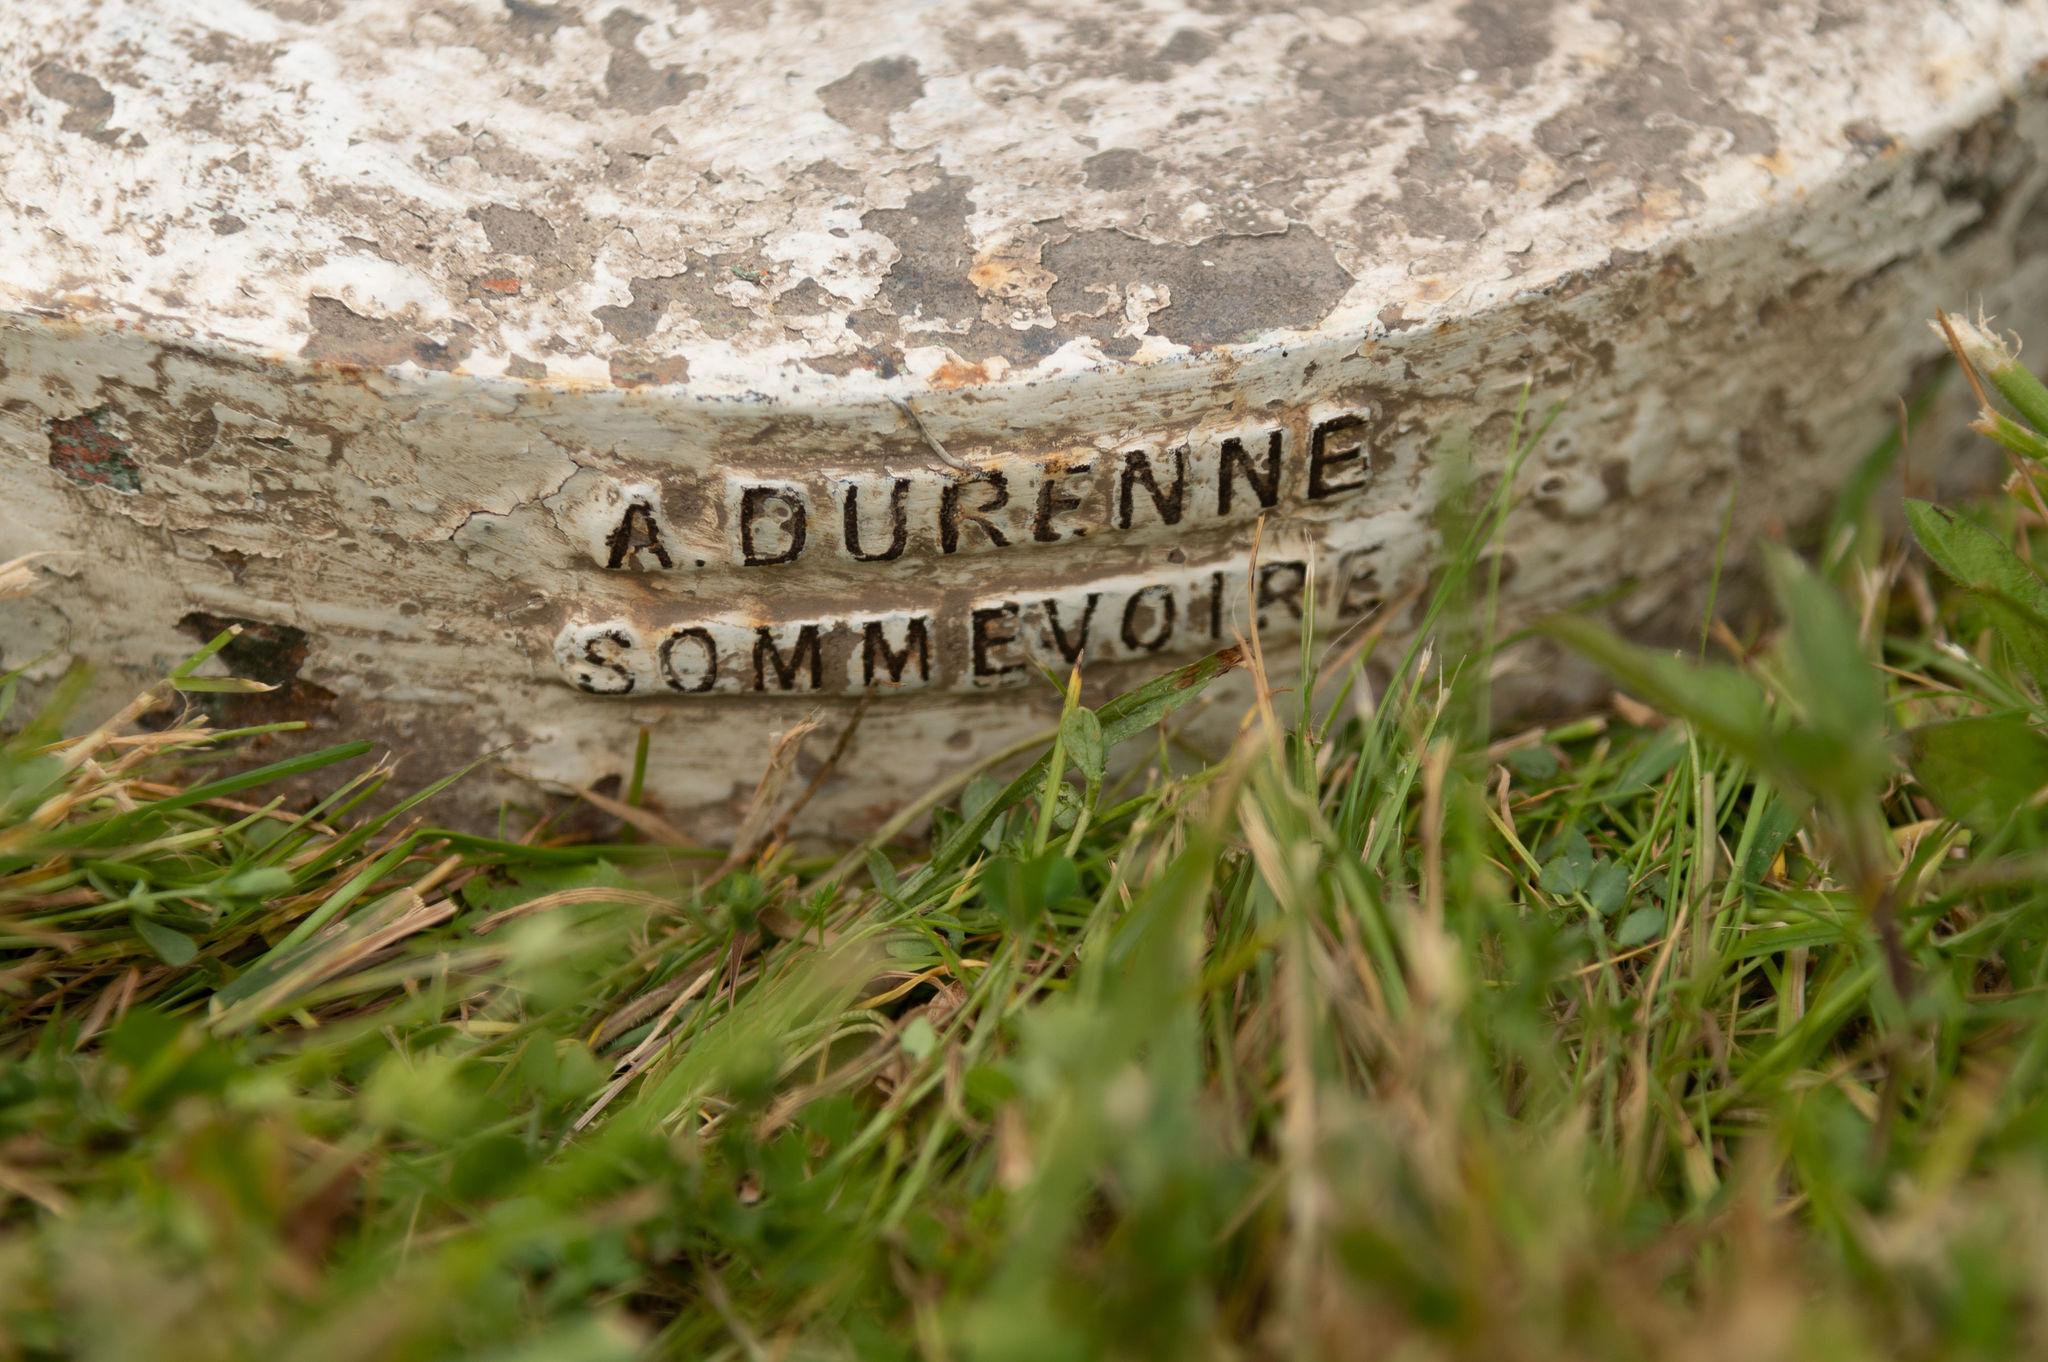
(631, 81)
(344, 336)
(270, 653)
(865, 97)
(1225, 289)
(87, 103)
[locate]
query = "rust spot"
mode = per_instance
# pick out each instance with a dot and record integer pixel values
(990, 275)
(956, 373)
(86, 448)
(504, 285)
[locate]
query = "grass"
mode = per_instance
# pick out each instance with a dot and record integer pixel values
(1706, 1024)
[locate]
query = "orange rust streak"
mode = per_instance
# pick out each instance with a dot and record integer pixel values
(959, 374)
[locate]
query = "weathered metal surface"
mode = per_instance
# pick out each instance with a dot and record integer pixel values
(736, 360)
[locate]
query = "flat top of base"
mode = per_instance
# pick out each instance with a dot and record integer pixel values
(749, 197)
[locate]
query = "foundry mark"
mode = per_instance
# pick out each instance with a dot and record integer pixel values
(1001, 639)
(1140, 488)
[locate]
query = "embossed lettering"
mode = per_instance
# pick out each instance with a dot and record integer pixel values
(768, 657)
(1137, 468)
(1327, 457)
(1263, 480)
(992, 627)
(1071, 650)
(1053, 498)
(951, 516)
(755, 503)
(638, 529)
(600, 654)
(699, 650)
(1163, 608)
(875, 647)
(1280, 584)
(993, 642)
(899, 523)
(1358, 583)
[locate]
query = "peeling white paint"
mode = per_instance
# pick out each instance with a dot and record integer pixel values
(377, 323)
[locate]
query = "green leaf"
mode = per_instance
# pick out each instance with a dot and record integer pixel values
(1834, 742)
(1777, 822)
(487, 1165)
(1022, 890)
(1607, 888)
(1826, 671)
(1719, 701)
(1571, 868)
(1972, 555)
(1644, 924)
(1068, 804)
(1651, 763)
(288, 769)
(29, 781)
(1533, 764)
(985, 795)
(882, 872)
(1979, 771)
(261, 883)
(919, 1039)
(1986, 566)
(1081, 732)
(989, 1087)
(171, 946)
(509, 889)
